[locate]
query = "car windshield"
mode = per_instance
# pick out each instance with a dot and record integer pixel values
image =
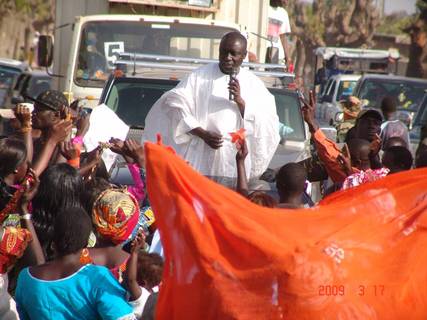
(132, 98)
(288, 110)
(408, 93)
(100, 40)
(346, 89)
(7, 78)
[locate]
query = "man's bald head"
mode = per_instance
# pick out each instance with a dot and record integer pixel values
(232, 52)
(233, 37)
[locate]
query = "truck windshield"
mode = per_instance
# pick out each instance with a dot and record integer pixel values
(345, 89)
(7, 78)
(408, 93)
(100, 40)
(131, 99)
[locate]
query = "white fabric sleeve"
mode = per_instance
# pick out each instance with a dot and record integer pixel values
(139, 304)
(286, 26)
(182, 123)
(181, 107)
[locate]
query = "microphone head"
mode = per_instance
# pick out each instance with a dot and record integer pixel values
(233, 72)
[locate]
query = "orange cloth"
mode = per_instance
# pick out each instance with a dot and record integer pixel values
(359, 255)
(328, 152)
(13, 242)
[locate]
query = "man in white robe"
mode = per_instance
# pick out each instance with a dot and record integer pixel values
(197, 117)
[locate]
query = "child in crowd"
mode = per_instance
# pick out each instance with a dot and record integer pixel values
(392, 127)
(290, 183)
(143, 274)
(397, 159)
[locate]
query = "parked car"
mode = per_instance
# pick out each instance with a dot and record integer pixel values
(9, 72)
(408, 93)
(338, 88)
(30, 84)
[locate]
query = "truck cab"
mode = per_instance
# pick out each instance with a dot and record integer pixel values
(337, 88)
(84, 61)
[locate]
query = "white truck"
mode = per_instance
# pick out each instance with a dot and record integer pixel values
(85, 44)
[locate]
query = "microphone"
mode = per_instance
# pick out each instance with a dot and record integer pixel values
(233, 75)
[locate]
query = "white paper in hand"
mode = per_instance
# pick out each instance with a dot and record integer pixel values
(104, 125)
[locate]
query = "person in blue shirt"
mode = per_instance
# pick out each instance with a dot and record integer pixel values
(67, 288)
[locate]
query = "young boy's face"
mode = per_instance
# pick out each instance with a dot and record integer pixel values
(360, 159)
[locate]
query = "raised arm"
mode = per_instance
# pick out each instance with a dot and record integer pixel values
(131, 273)
(34, 252)
(328, 151)
(242, 182)
(23, 115)
(59, 132)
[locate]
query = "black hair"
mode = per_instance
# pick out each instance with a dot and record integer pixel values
(388, 105)
(395, 141)
(356, 145)
(92, 189)
(150, 269)
(72, 229)
(291, 178)
(262, 199)
(60, 188)
(401, 159)
(275, 3)
(13, 152)
(421, 156)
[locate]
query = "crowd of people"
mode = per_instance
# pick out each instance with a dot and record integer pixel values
(74, 245)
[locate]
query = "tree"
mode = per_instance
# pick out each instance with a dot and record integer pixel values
(31, 16)
(342, 23)
(417, 66)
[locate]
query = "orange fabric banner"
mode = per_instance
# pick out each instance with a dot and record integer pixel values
(361, 254)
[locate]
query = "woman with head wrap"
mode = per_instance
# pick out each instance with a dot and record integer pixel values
(115, 215)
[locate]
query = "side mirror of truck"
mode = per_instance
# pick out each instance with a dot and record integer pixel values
(339, 117)
(45, 51)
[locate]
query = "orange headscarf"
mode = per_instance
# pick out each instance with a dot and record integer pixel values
(115, 214)
(359, 255)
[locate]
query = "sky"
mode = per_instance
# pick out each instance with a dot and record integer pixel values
(400, 5)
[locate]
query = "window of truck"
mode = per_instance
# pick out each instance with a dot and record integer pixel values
(345, 89)
(100, 40)
(132, 98)
(408, 94)
(7, 77)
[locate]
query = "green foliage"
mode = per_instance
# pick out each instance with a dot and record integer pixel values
(395, 24)
(422, 8)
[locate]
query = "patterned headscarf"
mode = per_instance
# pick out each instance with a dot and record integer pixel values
(13, 243)
(115, 214)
